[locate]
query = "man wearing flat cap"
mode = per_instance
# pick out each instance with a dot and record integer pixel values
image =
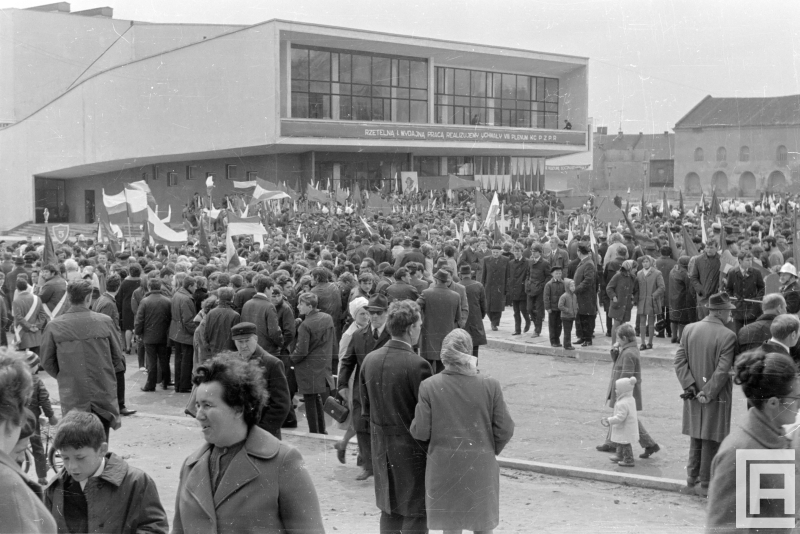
(702, 364)
(274, 412)
(441, 309)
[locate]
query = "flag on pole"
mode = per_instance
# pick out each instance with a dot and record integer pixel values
(494, 209)
(202, 244)
(49, 252)
(366, 225)
(665, 204)
(230, 252)
(703, 227)
(688, 244)
(680, 194)
(146, 241)
(162, 234)
(465, 229)
(475, 225)
(105, 233)
(115, 203)
(673, 247)
(715, 207)
(772, 226)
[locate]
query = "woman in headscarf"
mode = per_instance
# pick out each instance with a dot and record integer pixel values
(358, 311)
(650, 301)
(462, 477)
(622, 290)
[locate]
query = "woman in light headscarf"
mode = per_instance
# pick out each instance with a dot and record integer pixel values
(622, 290)
(358, 311)
(462, 477)
(651, 299)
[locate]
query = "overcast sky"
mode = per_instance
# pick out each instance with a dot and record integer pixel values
(651, 61)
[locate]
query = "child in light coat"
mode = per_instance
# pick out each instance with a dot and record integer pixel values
(624, 423)
(568, 306)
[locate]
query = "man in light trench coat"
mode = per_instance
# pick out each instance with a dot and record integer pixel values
(702, 363)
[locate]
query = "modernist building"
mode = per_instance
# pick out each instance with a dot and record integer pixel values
(740, 146)
(92, 102)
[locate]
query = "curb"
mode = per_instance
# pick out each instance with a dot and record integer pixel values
(582, 355)
(623, 479)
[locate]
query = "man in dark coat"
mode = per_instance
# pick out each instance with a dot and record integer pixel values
(11, 278)
(758, 331)
(312, 357)
(54, 291)
(274, 412)
(517, 276)
(664, 264)
(260, 311)
(745, 284)
(441, 311)
(469, 256)
(329, 301)
(219, 321)
(181, 333)
(288, 332)
(705, 276)
(586, 291)
(370, 338)
(495, 281)
(107, 305)
(151, 325)
(415, 254)
(538, 276)
(476, 297)
(702, 364)
(377, 251)
(390, 379)
(402, 288)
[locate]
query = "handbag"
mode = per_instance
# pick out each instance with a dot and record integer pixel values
(335, 409)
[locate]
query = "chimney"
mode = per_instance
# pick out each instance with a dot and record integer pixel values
(58, 7)
(98, 12)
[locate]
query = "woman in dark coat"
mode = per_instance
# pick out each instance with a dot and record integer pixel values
(472, 426)
(682, 303)
(622, 291)
(611, 268)
(126, 289)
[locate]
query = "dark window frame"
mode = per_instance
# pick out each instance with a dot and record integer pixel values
(536, 107)
(313, 98)
(699, 155)
(781, 154)
(172, 179)
(231, 172)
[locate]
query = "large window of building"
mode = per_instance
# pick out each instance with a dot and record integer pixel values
(338, 85)
(496, 99)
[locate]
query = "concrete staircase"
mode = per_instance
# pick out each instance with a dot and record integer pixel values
(89, 231)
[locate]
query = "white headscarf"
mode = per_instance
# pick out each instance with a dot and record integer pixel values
(453, 356)
(354, 307)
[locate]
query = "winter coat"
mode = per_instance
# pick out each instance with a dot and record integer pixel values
(260, 311)
(126, 289)
(553, 290)
(624, 287)
(791, 294)
(266, 488)
(313, 355)
(52, 292)
(517, 278)
(183, 311)
(754, 433)
(704, 358)
(625, 421)
(626, 365)
(473, 425)
(586, 286)
(361, 344)
(754, 334)
(122, 499)
(20, 308)
(463, 304)
(476, 298)
(682, 303)
(39, 400)
(81, 350)
(390, 381)
(440, 315)
(495, 281)
(705, 276)
(746, 286)
(329, 301)
(651, 292)
(665, 264)
(538, 275)
(278, 403)
(153, 319)
(608, 274)
(401, 291)
(217, 332)
(21, 507)
(568, 305)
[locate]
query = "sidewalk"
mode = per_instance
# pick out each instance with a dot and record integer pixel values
(662, 353)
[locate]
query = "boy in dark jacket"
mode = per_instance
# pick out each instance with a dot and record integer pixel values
(553, 290)
(98, 491)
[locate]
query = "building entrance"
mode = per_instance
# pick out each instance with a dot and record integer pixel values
(51, 194)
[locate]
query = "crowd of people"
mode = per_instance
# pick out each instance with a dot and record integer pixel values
(384, 314)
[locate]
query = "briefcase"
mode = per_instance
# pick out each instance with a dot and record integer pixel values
(335, 409)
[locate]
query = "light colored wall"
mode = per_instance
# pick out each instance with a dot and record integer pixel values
(573, 98)
(763, 143)
(189, 101)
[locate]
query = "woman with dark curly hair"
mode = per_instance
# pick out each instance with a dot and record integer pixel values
(243, 479)
(769, 381)
(21, 507)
